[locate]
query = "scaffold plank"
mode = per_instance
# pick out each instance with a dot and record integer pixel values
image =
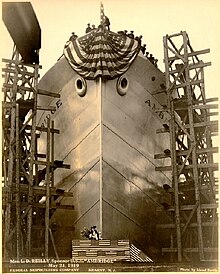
(44, 163)
(190, 207)
(11, 70)
(48, 93)
(39, 205)
(206, 165)
(11, 61)
(204, 124)
(162, 130)
(43, 129)
(208, 100)
(37, 190)
(190, 54)
(207, 106)
(46, 108)
(192, 83)
(205, 224)
(185, 152)
(193, 66)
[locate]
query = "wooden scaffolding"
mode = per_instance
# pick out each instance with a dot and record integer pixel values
(29, 195)
(193, 232)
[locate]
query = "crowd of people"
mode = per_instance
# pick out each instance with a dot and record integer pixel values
(143, 47)
(151, 59)
(89, 28)
(105, 24)
(130, 34)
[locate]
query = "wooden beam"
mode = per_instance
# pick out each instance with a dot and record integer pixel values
(32, 74)
(47, 108)
(203, 124)
(47, 202)
(207, 165)
(43, 163)
(162, 130)
(173, 150)
(53, 242)
(207, 106)
(11, 61)
(193, 66)
(194, 53)
(185, 152)
(17, 187)
(40, 155)
(43, 129)
(185, 84)
(48, 93)
(205, 224)
(209, 100)
(213, 113)
(38, 205)
(38, 190)
(190, 207)
(31, 164)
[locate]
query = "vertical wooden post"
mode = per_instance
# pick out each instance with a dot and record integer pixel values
(47, 210)
(36, 159)
(193, 145)
(53, 242)
(17, 181)
(52, 155)
(210, 160)
(32, 160)
(10, 172)
(175, 180)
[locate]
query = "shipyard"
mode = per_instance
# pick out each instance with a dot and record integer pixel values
(109, 154)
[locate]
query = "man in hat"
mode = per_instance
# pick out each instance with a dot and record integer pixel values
(107, 22)
(131, 34)
(88, 29)
(73, 36)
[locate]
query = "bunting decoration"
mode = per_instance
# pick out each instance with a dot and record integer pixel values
(101, 53)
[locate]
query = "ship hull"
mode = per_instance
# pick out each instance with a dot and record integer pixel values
(110, 141)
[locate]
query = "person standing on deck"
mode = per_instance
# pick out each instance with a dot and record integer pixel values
(88, 29)
(107, 22)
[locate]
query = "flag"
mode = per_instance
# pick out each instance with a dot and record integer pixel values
(101, 53)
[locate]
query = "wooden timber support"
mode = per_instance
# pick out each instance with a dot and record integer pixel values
(193, 190)
(29, 195)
